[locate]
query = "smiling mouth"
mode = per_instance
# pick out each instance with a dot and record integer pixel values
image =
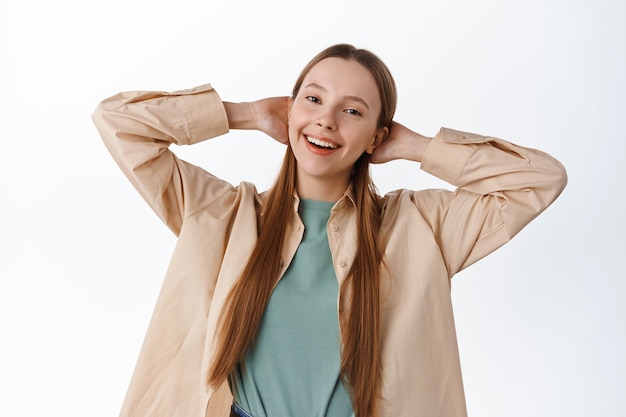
(320, 143)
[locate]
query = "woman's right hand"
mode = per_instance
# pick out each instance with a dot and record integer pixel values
(269, 115)
(272, 117)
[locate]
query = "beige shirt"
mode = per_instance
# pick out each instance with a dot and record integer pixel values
(430, 235)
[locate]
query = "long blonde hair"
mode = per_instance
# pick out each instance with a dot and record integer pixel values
(361, 364)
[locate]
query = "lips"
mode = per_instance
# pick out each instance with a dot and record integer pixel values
(320, 143)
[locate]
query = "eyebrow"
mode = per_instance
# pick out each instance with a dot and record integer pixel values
(353, 98)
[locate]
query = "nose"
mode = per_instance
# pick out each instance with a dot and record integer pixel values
(326, 121)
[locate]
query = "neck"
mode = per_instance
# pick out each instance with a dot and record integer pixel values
(321, 189)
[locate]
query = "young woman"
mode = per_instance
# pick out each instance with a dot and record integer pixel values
(318, 297)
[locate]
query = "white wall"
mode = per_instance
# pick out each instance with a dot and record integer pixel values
(541, 322)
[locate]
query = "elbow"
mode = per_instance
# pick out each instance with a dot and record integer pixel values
(107, 115)
(560, 178)
(551, 179)
(98, 117)
(564, 179)
(103, 111)
(108, 121)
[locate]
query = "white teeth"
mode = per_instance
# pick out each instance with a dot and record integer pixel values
(320, 143)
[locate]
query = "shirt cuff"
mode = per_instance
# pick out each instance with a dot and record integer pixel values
(204, 111)
(448, 153)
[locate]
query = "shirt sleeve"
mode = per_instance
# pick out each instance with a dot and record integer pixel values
(501, 187)
(138, 127)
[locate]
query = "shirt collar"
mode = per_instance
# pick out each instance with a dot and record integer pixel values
(348, 197)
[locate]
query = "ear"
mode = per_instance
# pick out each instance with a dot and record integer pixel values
(379, 137)
(289, 105)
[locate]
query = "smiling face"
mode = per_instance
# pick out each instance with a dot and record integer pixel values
(333, 119)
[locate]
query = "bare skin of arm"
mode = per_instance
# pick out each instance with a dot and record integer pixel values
(401, 143)
(269, 115)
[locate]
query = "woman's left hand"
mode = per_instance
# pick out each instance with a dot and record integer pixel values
(401, 143)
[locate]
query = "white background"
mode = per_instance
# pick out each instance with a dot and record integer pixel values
(541, 322)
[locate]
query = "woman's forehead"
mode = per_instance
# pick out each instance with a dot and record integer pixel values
(347, 77)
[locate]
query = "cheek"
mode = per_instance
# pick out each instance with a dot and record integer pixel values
(366, 137)
(296, 124)
(293, 135)
(296, 115)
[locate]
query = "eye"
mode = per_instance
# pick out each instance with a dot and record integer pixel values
(353, 112)
(313, 99)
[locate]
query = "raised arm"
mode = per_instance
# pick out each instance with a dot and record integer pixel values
(138, 127)
(501, 187)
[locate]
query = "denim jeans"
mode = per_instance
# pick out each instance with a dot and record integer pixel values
(238, 411)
